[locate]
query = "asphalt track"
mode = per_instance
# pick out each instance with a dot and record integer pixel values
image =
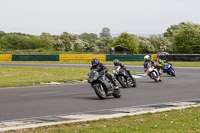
(26, 102)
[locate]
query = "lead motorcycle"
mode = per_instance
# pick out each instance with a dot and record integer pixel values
(124, 78)
(169, 69)
(102, 85)
(152, 72)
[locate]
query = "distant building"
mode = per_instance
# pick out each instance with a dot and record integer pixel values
(119, 50)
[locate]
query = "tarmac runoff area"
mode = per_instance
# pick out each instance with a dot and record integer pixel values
(33, 122)
(94, 115)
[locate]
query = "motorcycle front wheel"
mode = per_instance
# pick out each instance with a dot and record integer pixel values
(155, 76)
(100, 92)
(122, 81)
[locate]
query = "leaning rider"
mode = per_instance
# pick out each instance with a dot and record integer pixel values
(147, 60)
(162, 64)
(103, 69)
(117, 63)
(156, 66)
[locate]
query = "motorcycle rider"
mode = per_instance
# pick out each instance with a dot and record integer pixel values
(147, 60)
(117, 63)
(103, 69)
(156, 66)
(163, 63)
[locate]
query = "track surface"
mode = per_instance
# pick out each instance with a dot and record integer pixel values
(25, 102)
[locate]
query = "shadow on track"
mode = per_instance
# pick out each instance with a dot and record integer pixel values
(147, 82)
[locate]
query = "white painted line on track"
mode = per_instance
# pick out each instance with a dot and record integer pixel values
(92, 115)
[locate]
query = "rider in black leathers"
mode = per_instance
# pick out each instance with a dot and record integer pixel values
(103, 69)
(117, 63)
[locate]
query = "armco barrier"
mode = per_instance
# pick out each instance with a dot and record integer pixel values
(6, 57)
(181, 57)
(81, 57)
(35, 57)
(125, 57)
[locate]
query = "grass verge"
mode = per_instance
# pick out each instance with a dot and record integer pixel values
(13, 76)
(175, 121)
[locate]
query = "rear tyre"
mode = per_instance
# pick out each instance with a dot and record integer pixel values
(160, 80)
(134, 82)
(100, 92)
(122, 81)
(116, 93)
(172, 73)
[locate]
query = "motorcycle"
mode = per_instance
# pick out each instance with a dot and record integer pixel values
(102, 85)
(169, 69)
(124, 78)
(152, 72)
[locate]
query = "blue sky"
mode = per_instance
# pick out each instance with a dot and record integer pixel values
(78, 16)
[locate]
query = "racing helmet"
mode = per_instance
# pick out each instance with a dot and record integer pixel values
(147, 58)
(116, 62)
(95, 61)
(159, 61)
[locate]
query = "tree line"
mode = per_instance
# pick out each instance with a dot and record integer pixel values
(183, 38)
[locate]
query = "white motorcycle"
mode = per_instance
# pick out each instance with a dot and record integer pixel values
(152, 72)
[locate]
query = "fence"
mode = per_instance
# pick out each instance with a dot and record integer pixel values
(125, 57)
(5, 57)
(35, 57)
(181, 57)
(81, 57)
(10, 57)
(62, 57)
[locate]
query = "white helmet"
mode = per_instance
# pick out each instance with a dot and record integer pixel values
(147, 58)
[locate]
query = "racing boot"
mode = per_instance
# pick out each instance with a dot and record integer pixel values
(115, 85)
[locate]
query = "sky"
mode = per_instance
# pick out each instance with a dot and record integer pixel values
(90, 16)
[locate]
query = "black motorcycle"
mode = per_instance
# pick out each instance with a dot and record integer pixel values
(102, 85)
(124, 78)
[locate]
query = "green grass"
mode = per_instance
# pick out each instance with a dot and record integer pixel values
(74, 62)
(175, 121)
(12, 76)
(137, 63)
(185, 64)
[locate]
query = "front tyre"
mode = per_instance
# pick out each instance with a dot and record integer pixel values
(100, 92)
(122, 81)
(155, 77)
(116, 93)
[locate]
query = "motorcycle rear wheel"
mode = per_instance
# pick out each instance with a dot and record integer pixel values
(172, 73)
(134, 83)
(117, 93)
